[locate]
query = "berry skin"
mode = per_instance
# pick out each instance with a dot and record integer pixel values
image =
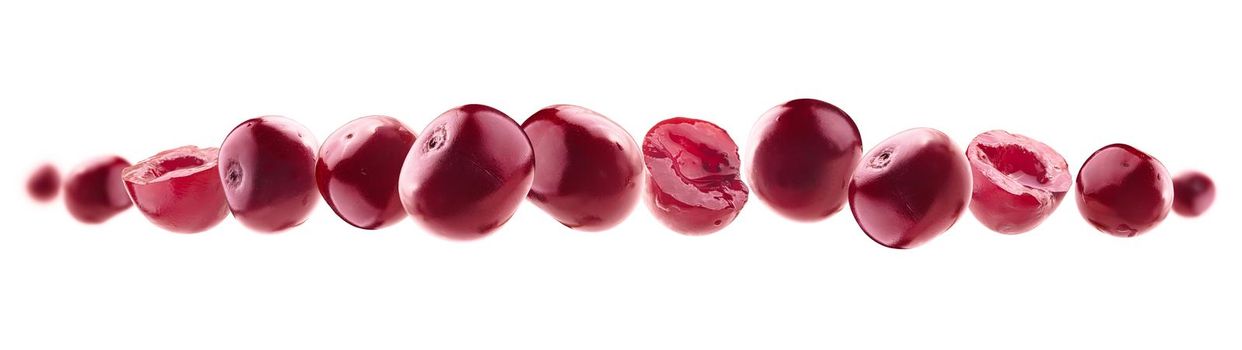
(358, 168)
(267, 167)
(1018, 181)
(1123, 191)
(694, 184)
(94, 191)
(1193, 193)
(44, 183)
(178, 189)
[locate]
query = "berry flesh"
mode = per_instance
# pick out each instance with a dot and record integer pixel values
(178, 189)
(267, 167)
(803, 153)
(589, 167)
(94, 191)
(358, 168)
(1123, 191)
(910, 188)
(44, 183)
(468, 173)
(693, 183)
(1193, 193)
(1018, 181)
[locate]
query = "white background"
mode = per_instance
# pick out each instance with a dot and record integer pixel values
(134, 78)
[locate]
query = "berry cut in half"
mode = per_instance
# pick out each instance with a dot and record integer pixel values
(801, 158)
(1123, 191)
(694, 185)
(44, 183)
(358, 168)
(178, 189)
(267, 167)
(1018, 181)
(1193, 193)
(94, 191)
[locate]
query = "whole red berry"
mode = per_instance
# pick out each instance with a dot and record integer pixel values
(1193, 193)
(267, 167)
(802, 155)
(588, 167)
(178, 189)
(44, 183)
(1123, 191)
(693, 181)
(910, 188)
(359, 165)
(94, 191)
(1018, 181)
(468, 172)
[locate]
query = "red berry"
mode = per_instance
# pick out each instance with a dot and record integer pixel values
(94, 191)
(1018, 181)
(1123, 191)
(589, 167)
(467, 174)
(910, 188)
(267, 167)
(44, 183)
(1193, 193)
(693, 183)
(359, 165)
(803, 153)
(178, 189)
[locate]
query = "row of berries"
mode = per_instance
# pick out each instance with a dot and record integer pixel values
(467, 172)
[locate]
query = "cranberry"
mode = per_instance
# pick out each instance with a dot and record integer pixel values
(178, 189)
(94, 191)
(693, 183)
(267, 166)
(803, 153)
(1193, 193)
(1018, 181)
(588, 170)
(1123, 191)
(44, 183)
(468, 173)
(358, 168)
(910, 188)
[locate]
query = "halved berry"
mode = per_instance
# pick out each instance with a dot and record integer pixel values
(1123, 191)
(44, 183)
(267, 167)
(1193, 193)
(178, 189)
(694, 184)
(1018, 181)
(94, 191)
(359, 165)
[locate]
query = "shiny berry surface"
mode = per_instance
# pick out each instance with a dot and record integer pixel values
(1018, 181)
(588, 168)
(267, 167)
(1193, 193)
(178, 189)
(468, 172)
(802, 155)
(358, 168)
(94, 191)
(694, 184)
(44, 183)
(910, 188)
(1123, 191)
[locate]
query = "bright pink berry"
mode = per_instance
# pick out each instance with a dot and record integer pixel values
(1123, 191)
(267, 167)
(94, 191)
(359, 165)
(1018, 181)
(693, 181)
(910, 188)
(178, 189)
(44, 183)
(1193, 193)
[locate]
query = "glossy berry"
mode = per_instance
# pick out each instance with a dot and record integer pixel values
(588, 169)
(693, 182)
(94, 191)
(44, 183)
(468, 172)
(267, 167)
(802, 155)
(178, 189)
(1193, 193)
(1018, 181)
(359, 165)
(910, 188)
(1123, 191)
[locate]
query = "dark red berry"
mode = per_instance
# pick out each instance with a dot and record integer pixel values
(1018, 181)
(267, 167)
(1123, 191)
(589, 167)
(178, 189)
(1193, 193)
(910, 188)
(693, 181)
(94, 191)
(468, 172)
(802, 155)
(359, 165)
(44, 183)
